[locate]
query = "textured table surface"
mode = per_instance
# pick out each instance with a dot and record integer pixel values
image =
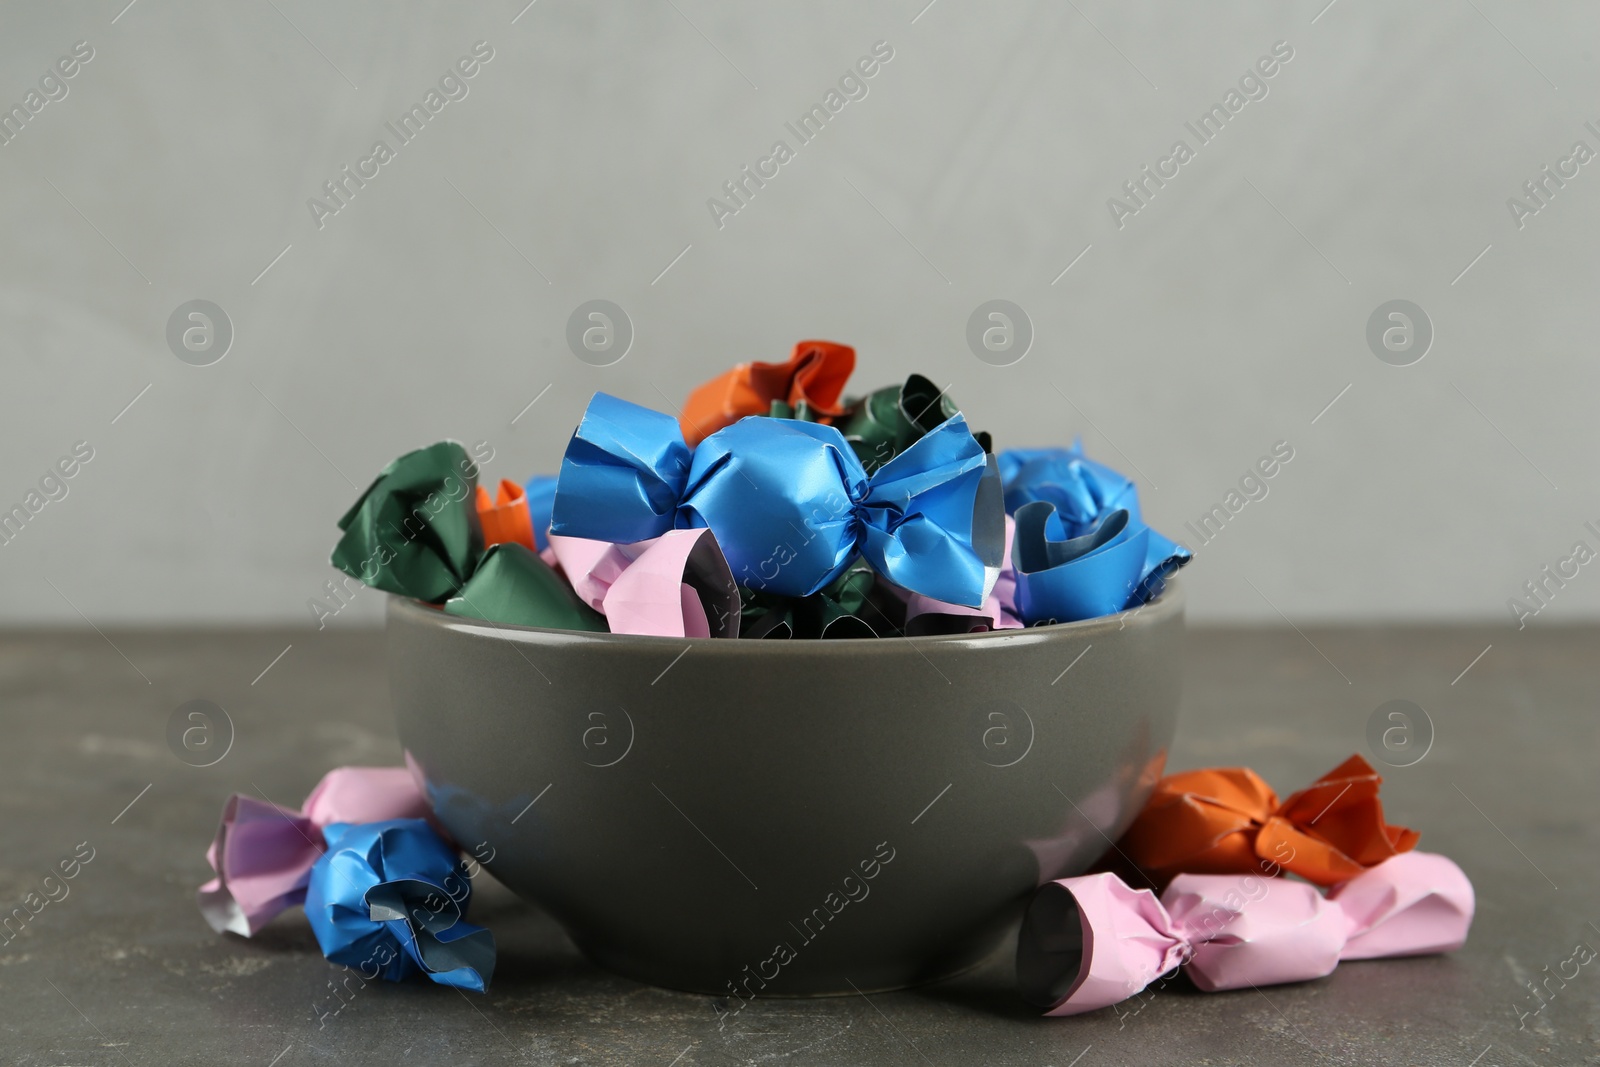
(123, 971)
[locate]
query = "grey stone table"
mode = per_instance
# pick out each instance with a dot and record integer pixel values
(123, 971)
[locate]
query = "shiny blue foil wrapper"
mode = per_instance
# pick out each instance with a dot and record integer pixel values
(623, 474)
(788, 501)
(1075, 557)
(390, 898)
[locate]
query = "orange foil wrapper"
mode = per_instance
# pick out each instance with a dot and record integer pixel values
(1226, 820)
(814, 376)
(506, 517)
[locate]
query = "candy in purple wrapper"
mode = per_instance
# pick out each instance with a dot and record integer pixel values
(263, 853)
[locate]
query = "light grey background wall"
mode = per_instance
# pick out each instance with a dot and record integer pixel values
(1222, 317)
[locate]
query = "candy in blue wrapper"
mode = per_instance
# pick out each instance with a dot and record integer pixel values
(1097, 573)
(1085, 495)
(788, 501)
(390, 898)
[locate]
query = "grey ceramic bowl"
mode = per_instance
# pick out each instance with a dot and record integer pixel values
(786, 817)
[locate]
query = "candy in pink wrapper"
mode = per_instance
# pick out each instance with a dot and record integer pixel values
(1092, 941)
(263, 856)
(1428, 911)
(1266, 932)
(675, 585)
(263, 853)
(365, 794)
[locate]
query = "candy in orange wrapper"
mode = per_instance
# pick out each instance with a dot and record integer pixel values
(1200, 822)
(814, 377)
(1335, 828)
(506, 516)
(1226, 820)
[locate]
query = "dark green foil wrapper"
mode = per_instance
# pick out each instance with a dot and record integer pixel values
(890, 420)
(839, 611)
(802, 411)
(512, 585)
(415, 530)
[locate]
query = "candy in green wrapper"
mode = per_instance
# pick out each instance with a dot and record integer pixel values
(848, 592)
(886, 422)
(415, 530)
(839, 611)
(890, 420)
(802, 411)
(512, 585)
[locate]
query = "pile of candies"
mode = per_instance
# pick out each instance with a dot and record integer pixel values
(386, 892)
(769, 507)
(1216, 845)
(1241, 878)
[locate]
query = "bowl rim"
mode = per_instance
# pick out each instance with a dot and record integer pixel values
(415, 612)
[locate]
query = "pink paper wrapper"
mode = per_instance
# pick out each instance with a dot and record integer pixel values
(675, 585)
(263, 853)
(1092, 941)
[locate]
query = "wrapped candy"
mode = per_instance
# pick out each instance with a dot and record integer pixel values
(1092, 941)
(393, 896)
(1227, 820)
(839, 611)
(512, 585)
(1075, 558)
(435, 550)
(793, 488)
(890, 420)
(263, 854)
(788, 501)
(675, 585)
(808, 385)
(415, 531)
(1097, 573)
(505, 517)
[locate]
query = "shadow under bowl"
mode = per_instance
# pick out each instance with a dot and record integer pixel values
(786, 818)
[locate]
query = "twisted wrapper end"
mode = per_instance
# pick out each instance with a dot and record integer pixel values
(263, 853)
(623, 474)
(1092, 941)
